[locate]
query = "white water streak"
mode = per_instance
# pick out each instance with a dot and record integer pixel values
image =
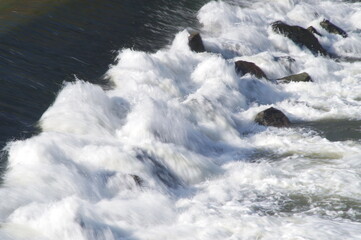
(183, 123)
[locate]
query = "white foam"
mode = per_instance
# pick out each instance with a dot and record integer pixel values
(172, 151)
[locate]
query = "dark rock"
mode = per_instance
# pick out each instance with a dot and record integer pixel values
(243, 67)
(314, 31)
(301, 77)
(195, 43)
(300, 36)
(332, 28)
(272, 117)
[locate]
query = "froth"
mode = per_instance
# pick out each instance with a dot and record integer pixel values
(172, 150)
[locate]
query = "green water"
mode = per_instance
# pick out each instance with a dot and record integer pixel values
(15, 12)
(336, 129)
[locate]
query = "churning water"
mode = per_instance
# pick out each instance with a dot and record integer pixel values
(169, 149)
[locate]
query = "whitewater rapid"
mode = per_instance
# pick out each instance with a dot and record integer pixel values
(171, 151)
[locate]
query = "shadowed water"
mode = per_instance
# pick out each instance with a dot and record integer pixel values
(336, 130)
(43, 43)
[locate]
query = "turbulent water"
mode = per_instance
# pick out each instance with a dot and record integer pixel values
(45, 42)
(171, 151)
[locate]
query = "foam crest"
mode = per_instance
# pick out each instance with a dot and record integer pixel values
(80, 105)
(172, 150)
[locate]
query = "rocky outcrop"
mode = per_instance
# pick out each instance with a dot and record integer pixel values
(195, 43)
(272, 117)
(301, 77)
(314, 31)
(332, 28)
(300, 36)
(244, 67)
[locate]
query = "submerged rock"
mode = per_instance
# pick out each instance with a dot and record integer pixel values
(300, 77)
(272, 117)
(286, 61)
(244, 67)
(166, 176)
(195, 43)
(314, 31)
(300, 36)
(332, 28)
(138, 180)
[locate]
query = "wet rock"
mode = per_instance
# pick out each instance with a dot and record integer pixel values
(272, 117)
(195, 43)
(301, 77)
(332, 28)
(314, 31)
(300, 36)
(244, 67)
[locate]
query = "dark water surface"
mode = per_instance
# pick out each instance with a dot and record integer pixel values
(43, 43)
(336, 129)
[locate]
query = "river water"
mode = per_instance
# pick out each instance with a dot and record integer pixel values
(114, 129)
(44, 43)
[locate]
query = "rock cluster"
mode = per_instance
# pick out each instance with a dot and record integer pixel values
(300, 36)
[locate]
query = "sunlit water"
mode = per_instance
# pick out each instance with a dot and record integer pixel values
(169, 149)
